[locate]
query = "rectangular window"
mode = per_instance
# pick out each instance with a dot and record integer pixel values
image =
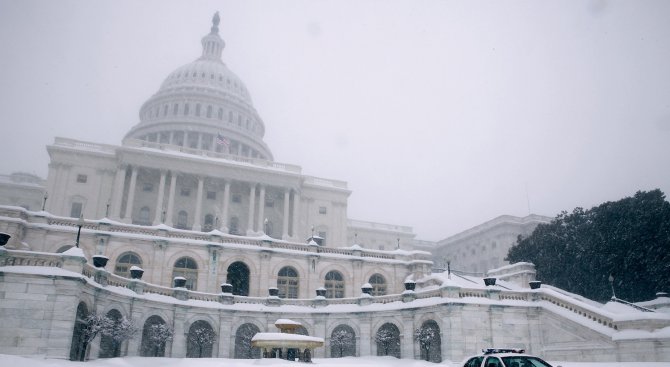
(323, 210)
(211, 195)
(269, 203)
(237, 198)
(185, 191)
(148, 187)
(82, 178)
(75, 210)
(322, 234)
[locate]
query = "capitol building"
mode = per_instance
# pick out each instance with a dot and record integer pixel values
(220, 236)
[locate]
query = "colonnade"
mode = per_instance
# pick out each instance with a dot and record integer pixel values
(203, 141)
(256, 207)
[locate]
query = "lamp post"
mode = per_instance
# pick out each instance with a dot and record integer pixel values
(611, 279)
(44, 202)
(80, 223)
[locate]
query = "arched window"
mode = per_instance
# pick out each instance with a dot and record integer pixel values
(187, 268)
(79, 344)
(201, 338)
(388, 340)
(378, 284)
(209, 223)
(124, 262)
(144, 216)
(111, 347)
(182, 220)
(243, 348)
(238, 277)
(209, 111)
(343, 342)
(233, 225)
(334, 285)
(155, 334)
(287, 282)
(430, 343)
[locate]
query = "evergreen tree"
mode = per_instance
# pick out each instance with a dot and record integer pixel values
(628, 239)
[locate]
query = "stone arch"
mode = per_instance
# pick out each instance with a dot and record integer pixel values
(238, 274)
(387, 339)
(243, 348)
(200, 340)
(110, 348)
(430, 342)
(78, 344)
(342, 341)
(149, 347)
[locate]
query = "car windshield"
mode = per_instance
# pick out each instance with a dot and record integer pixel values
(524, 361)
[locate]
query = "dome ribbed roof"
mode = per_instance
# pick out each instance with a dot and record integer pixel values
(202, 104)
(207, 74)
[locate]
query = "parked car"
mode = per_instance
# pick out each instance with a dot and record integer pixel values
(499, 357)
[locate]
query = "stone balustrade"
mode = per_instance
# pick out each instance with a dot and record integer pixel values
(546, 297)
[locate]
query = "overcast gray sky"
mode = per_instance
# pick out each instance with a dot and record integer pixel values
(439, 114)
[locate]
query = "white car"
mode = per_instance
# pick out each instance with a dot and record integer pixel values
(498, 357)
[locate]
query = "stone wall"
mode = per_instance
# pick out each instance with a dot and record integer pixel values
(38, 306)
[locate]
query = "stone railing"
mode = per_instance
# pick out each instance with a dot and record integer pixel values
(544, 297)
(30, 258)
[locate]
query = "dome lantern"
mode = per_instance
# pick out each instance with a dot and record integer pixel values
(212, 44)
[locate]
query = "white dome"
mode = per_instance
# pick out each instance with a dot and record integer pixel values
(206, 99)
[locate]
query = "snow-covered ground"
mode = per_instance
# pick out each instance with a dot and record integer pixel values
(14, 361)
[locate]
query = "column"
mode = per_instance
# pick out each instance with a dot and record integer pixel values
(287, 197)
(131, 196)
(170, 209)
(119, 183)
(252, 200)
(296, 214)
(159, 201)
(198, 205)
(407, 336)
(261, 210)
(224, 207)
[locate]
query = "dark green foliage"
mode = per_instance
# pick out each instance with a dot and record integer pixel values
(629, 239)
